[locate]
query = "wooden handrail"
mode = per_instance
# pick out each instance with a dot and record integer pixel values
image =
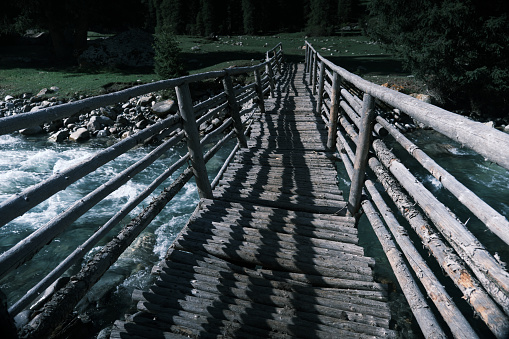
(188, 118)
(488, 142)
(487, 290)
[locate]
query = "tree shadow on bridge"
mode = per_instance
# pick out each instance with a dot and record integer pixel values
(246, 264)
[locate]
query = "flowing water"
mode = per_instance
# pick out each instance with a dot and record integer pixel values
(26, 161)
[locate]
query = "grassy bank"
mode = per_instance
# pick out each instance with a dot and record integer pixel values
(22, 72)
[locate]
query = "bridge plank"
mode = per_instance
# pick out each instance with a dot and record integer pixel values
(272, 254)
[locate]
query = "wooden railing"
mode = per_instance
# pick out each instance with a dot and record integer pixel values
(350, 106)
(183, 125)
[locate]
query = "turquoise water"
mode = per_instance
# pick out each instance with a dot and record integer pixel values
(26, 161)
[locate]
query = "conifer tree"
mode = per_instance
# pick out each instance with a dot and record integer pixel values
(459, 48)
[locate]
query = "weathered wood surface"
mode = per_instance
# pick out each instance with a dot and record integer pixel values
(272, 254)
(487, 141)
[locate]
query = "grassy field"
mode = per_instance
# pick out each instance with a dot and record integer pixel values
(356, 53)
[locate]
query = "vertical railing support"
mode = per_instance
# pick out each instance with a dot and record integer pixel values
(311, 63)
(334, 112)
(259, 90)
(315, 71)
(361, 154)
(270, 73)
(233, 109)
(321, 81)
(277, 58)
(193, 141)
(306, 59)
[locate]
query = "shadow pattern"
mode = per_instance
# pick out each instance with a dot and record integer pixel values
(271, 256)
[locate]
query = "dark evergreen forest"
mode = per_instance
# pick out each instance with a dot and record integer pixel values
(205, 17)
(460, 48)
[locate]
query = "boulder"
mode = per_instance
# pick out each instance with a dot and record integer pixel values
(490, 124)
(71, 120)
(141, 124)
(145, 100)
(163, 108)
(81, 134)
(122, 120)
(423, 97)
(60, 136)
(102, 134)
(97, 123)
(8, 97)
(42, 92)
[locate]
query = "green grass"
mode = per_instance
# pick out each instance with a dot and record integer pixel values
(70, 81)
(355, 53)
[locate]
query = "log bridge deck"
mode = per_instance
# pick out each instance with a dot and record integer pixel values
(273, 254)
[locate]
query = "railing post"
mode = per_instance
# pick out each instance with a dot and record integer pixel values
(277, 58)
(320, 86)
(334, 111)
(315, 70)
(306, 58)
(259, 90)
(361, 154)
(311, 62)
(268, 69)
(193, 141)
(233, 110)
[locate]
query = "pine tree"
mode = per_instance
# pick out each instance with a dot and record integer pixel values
(167, 56)
(248, 13)
(321, 17)
(459, 48)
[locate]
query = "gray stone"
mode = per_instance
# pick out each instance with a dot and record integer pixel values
(60, 136)
(45, 104)
(126, 134)
(97, 123)
(42, 92)
(102, 134)
(81, 134)
(423, 97)
(108, 112)
(53, 126)
(506, 129)
(8, 97)
(145, 100)
(31, 130)
(71, 120)
(122, 120)
(141, 124)
(490, 124)
(163, 108)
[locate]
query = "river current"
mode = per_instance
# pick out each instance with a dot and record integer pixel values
(25, 161)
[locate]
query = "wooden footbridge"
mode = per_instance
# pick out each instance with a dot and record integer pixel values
(272, 248)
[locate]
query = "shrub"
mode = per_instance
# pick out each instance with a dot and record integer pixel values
(167, 56)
